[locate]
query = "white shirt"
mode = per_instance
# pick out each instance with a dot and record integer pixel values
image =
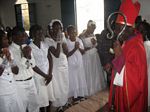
(6, 79)
(25, 66)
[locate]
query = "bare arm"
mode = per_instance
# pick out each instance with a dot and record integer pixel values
(73, 51)
(37, 70)
(82, 51)
(65, 48)
(1, 70)
(50, 59)
(55, 52)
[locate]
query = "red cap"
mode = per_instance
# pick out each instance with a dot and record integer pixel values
(130, 10)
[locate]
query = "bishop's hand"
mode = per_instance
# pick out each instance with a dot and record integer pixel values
(117, 48)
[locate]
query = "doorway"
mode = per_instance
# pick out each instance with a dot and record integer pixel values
(90, 9)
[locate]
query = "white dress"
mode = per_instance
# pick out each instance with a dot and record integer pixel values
(9, 99)
(93, 68)
(77, 81)
(147, 48)
(60, 72)
(41, 60)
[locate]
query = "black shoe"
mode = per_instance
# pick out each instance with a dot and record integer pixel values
(60, 109)
(67, 105)
(76, 101)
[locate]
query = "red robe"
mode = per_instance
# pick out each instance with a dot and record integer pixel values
(133, 96)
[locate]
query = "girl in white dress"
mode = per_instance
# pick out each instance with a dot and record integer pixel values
(77, 81)
(43, 61)
(60, 64)
(9, 99)
(93, 68)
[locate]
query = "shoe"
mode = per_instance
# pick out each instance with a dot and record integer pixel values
(67, 105)
(76, 101)
(82, 99)
(60, 109)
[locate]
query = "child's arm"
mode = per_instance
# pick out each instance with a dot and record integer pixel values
(76, 46)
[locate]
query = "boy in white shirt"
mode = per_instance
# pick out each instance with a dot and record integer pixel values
(9, 100)
(26, 63)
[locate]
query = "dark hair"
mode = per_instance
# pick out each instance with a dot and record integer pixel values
(70, 27)
(33, 30)
(49, 27)
(9, 34)
(146, 30)
(138, 21)
(2, 34)
(56, 23)
(17, 30)
(8, 29)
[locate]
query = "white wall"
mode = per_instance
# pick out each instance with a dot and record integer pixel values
(45, 11)
(7, 12)
(145, 9)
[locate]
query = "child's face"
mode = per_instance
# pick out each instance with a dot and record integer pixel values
(39, 35)
(20, 38)
(72, 33)
(56, 28)
(5, 41)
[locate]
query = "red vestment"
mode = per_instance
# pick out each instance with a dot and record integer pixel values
(133, 96)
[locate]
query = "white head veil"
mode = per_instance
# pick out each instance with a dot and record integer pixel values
(55, 20)
(91, 22)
